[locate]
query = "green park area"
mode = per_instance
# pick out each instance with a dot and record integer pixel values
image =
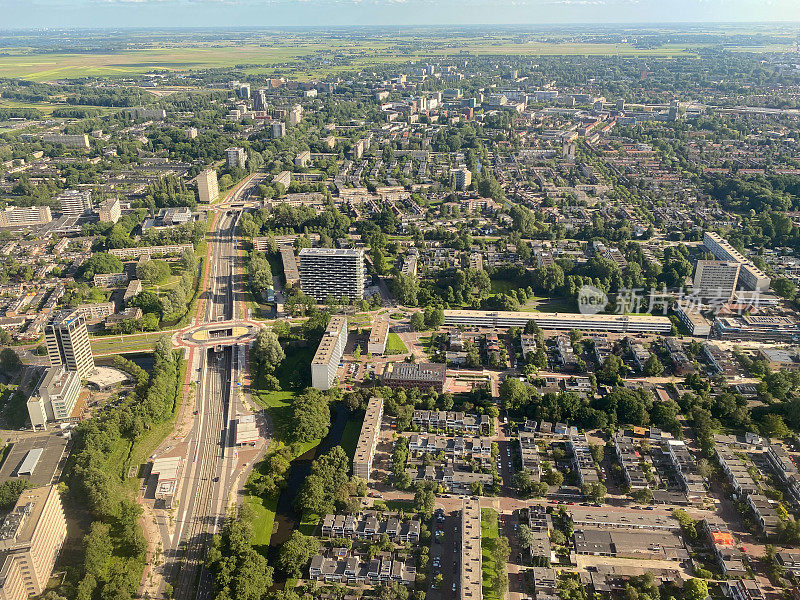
(394, 345)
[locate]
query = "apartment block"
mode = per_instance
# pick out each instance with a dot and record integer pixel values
(25, 216)
(337, 272)
(329, 353)
(470, 564)
(110, 211)
(75, 202)
(351, 569)
(55, 397)
(69, 141)
(291, 272)
(559, 321)
(207, 186)
(31, 537)
(750, 276)
(110, 279)
(68, 343)
(716, 279)
(235, 157)
(462, 178)
(368, 439)
(378, 336)
(150, 251)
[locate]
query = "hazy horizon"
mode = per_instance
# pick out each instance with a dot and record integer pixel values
(65, 14)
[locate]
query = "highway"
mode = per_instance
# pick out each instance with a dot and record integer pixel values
(210, 465)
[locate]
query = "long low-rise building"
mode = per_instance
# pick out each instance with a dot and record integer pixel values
(471, 565)
(140, 251)
(562, 321)
(329, 353)
(368, 439)
(378, 336)
(409, 375)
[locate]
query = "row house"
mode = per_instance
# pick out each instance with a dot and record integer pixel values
(452, 420)
(529, 453)
(479, 449)
(731, 560)
(766, 515)
(370, 526)
(582, 460)
(340, 566)
(783, 465)
(453, 480)
(630, 460)
(736, 470)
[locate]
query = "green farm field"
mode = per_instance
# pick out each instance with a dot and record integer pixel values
(304, 57)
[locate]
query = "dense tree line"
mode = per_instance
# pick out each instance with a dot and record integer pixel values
(97, 470)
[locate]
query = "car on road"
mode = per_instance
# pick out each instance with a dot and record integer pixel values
(454, 586)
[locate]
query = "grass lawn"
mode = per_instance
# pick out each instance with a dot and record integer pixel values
(489, 534)
(351, 432)
(501, 286)
(278, 406)
(394, 345)
(263, 519)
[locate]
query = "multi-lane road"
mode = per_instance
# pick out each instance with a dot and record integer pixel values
(211, 468)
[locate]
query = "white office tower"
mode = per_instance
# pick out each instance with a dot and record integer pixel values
(208, 186)
(75, 202)
(68, 343)
(337, 272)
(55, 396)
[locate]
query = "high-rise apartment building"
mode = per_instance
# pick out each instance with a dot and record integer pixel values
(716, 279)
(31, 537)
(110, 211)
(25, 216)
(462, 178)
(68, 343)
(368, 439)
(337, 272)
(329, 352)
(244, 91)
(75, 202)
(235, 157)
(55, 396)
(207, 186)
(278, 129)
(295, 114)
(750, 276)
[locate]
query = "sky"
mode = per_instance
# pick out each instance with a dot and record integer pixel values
(212, 13)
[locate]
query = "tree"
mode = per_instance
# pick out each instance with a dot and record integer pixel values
(772, 425)
(653, 366)
(424, 501)
(99, 549)
(9, 361)
(267, 351)
(418, 321)
(296, 553)
(608, 373)
(784, 288)
(310, 416)
(695, 589)
(11, 490)
(595, 492)
(153, 271)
